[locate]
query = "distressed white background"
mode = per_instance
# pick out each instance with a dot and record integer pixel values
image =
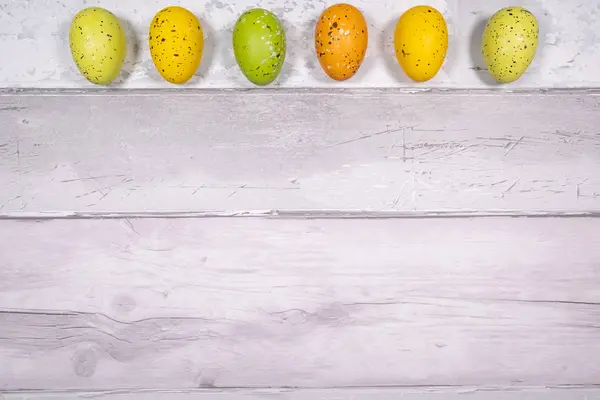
(35, 52)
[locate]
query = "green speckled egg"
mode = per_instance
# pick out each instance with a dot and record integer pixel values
(98, 44)
(176, 43)
(259, 45)
(510, 41)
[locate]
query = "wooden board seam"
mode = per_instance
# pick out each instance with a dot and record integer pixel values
(8, 91)
(297, 214)
(286, 389)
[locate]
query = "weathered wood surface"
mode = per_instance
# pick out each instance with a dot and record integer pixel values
(425, 393)
(309, 150)
(254, 302)
(36, 32)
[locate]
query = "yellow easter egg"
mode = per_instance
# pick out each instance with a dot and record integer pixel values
(176, 43)
(421, 42)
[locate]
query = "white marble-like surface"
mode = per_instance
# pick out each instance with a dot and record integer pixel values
(35, 52)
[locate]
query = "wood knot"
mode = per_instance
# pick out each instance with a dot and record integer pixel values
(85, 362)
(123, 304)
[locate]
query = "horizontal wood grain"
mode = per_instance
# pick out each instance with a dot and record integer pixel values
(251, 302)
(425, 393)
(305, 150)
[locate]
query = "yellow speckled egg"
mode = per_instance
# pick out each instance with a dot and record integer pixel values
(510, 40)
(176, 43)
(98, 44)
(341, 38)
(421, 42)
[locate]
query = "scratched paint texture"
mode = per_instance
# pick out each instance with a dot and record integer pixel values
(35, 34)
(362, 151)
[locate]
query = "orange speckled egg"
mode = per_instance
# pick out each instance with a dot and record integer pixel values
(341, 38)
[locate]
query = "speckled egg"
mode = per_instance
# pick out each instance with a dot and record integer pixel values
(259, 45)
(421, 42)
(98, 44)
(176, 43)
(341, 39)
(510, 40)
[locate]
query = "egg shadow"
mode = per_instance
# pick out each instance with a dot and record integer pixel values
(370, 60)
(65, 57)
(453, 51)
(386, 45)
(208, 53)
(132, 56)
(545, 26)
(476, 55)
(151, 71)
(292, 48)
(311, 61)
(233, 73)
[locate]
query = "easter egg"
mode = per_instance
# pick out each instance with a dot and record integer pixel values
(98, 44)
(176, 43)
(421, 42)
(510, 40)
(259, 45)
(341, 39)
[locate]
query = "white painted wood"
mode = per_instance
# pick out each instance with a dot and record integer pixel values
(301, 150)
(35, 35)
(430, 393)
(253, 302)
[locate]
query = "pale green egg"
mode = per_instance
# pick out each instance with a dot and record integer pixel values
(510, 41)
(98, 44)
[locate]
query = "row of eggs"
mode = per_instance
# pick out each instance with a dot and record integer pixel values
(98, 43)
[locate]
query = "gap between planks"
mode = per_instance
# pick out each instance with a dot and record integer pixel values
(297, 214)
(591, 392)
(287, 91)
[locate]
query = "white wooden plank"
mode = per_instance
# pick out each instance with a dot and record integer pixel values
(307, 150)
(36, 34)
(426, 393)
(250, 302)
